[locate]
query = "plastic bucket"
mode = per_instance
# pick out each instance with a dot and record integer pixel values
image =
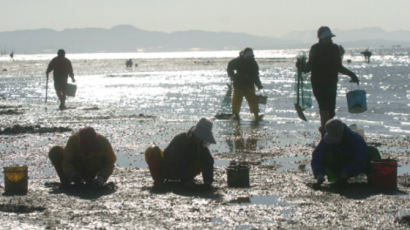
(15, 180)
(71, 89)
(238, 176)
(356, 101)
(262, 99)
(383, 174)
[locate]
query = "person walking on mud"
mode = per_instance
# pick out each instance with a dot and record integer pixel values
(87, 157)
(62, 68)
(244, 73)
(325, 62)
(186, 156)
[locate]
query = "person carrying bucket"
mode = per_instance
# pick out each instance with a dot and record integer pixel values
(184, 158)
(340, 154)
(324, 63)
(88, 157)
(244, 73)
(62, 68)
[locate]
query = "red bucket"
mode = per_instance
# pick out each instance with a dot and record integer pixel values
(383, 174)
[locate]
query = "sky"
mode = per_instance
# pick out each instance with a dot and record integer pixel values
(271, 18)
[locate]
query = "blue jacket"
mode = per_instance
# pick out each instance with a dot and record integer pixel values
(352, 151)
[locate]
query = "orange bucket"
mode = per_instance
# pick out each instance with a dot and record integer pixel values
(15, 180)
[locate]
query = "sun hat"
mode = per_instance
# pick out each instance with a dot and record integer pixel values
(334, 131)
(324, 32)
(248, 52)
(203, 130)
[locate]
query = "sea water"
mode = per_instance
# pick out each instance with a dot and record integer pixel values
(178, 88)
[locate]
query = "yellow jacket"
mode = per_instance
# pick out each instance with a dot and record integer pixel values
(88, 166)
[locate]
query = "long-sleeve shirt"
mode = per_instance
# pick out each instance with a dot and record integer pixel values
(244, 72)
(61, 67)
(352, 152)
(88, 165)
(184, 159)
(325, 62)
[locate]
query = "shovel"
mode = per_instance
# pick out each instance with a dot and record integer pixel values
(299, 109)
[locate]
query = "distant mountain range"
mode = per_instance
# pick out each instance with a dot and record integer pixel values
(126, 38)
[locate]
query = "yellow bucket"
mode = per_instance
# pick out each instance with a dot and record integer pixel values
(15, 180)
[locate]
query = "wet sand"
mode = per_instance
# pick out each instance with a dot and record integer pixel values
(280, 196)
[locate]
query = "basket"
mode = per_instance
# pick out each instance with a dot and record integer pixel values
(15, 180)
(383, 174)
(356, 101)
(71, 89)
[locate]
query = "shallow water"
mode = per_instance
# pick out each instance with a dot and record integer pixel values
(168, 92)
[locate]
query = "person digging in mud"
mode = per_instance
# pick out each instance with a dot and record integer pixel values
(186, 156)
(88, 157)
(340, 154)
(244, 73)
(62, 68)
(325, 62)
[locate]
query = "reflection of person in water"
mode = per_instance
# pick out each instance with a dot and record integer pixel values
(239, 144)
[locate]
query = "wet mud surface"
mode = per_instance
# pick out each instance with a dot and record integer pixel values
(281, 192)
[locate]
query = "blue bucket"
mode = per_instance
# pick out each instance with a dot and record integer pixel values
(356, 101)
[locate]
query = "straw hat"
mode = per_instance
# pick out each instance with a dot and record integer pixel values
(203, 130)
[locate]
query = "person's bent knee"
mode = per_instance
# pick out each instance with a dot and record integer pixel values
(56, 154)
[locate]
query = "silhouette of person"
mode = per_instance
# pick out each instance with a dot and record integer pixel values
(62, 68)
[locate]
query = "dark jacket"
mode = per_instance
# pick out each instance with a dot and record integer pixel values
(244, 72)
(61, 67)
(325, 62)
(352, 151)
(184, 159)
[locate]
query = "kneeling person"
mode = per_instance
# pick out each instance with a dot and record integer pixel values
(88, 157)
(185, 157)
(340, 154)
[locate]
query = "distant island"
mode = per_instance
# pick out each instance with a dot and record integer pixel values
(126, 38)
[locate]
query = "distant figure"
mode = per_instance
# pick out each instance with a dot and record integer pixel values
(185, 157)
(12, 55)
(325, 62)
(244, 73)
(88, 157)
(340, 154)
(128, 63)
(61, 68)
(367, 54)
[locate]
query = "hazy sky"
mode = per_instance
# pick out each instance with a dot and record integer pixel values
(259, 17)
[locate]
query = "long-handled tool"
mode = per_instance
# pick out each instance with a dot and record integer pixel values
(299, 109)
(45, 102)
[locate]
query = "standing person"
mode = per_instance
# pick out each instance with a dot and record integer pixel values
(340, 154)
(325, 62)
(61, 68)
(88, 157)
(244, 73)
(186, 156)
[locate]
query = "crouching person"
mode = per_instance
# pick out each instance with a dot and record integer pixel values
(88, 157)
(184, 158)
(340, 154)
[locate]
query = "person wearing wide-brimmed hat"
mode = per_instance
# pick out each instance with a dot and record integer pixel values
(87, 158)
(340, 154)
(186, 156)
(325, 62)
